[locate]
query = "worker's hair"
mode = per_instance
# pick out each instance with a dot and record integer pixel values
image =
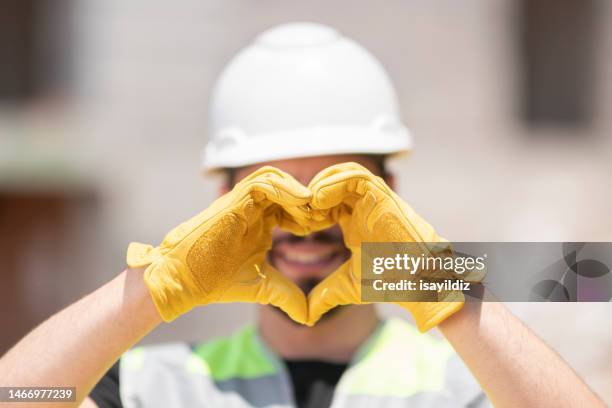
(379, 159)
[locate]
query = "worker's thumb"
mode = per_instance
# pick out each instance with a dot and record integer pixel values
(340, 288)
(269, 286)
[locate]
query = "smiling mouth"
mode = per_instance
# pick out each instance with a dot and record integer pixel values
(307, 259)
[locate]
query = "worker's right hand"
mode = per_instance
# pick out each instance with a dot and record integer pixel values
(367, 210)
(220, 255)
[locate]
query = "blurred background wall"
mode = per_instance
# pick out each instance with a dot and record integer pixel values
(103, 115)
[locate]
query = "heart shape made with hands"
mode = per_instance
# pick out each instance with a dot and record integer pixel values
(220, 255)
(367, 210)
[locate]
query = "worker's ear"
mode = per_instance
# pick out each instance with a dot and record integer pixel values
(224, 188)
(390, 180)
(227, 183)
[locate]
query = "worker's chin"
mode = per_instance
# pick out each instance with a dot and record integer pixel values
(325, 317)
(308, 284)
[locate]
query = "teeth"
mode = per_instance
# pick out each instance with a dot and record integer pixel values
(305, 258)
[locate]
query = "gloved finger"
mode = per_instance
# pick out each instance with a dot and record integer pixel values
(263, 172)
(279, 291)
(276, 186)
(297, 217)
(341, 183)
(289, 225)
(266, 183)
(319, 225)
(429, 314)
(339, 288)
(335, 169)
(261, 283)
(355, 222)
(345, 187)
(304, 224)
(275, 215)
(282, 201)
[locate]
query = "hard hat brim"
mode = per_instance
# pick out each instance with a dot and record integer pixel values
(320, 141)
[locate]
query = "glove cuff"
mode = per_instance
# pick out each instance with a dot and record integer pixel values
(167, 290)
(170, 294)
(428, 315)
(139, 255)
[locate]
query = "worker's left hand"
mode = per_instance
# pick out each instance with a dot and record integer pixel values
(219, 255)
(368, 210)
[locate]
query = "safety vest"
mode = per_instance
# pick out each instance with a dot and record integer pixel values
(396, 367)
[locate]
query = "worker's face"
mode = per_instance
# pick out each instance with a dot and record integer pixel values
(307, 260)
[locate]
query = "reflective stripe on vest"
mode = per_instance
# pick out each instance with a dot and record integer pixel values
(396, 367)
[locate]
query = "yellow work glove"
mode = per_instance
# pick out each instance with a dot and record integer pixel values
(368, 210)
(220, 255)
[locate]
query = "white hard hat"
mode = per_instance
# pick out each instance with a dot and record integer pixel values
(301, 90)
